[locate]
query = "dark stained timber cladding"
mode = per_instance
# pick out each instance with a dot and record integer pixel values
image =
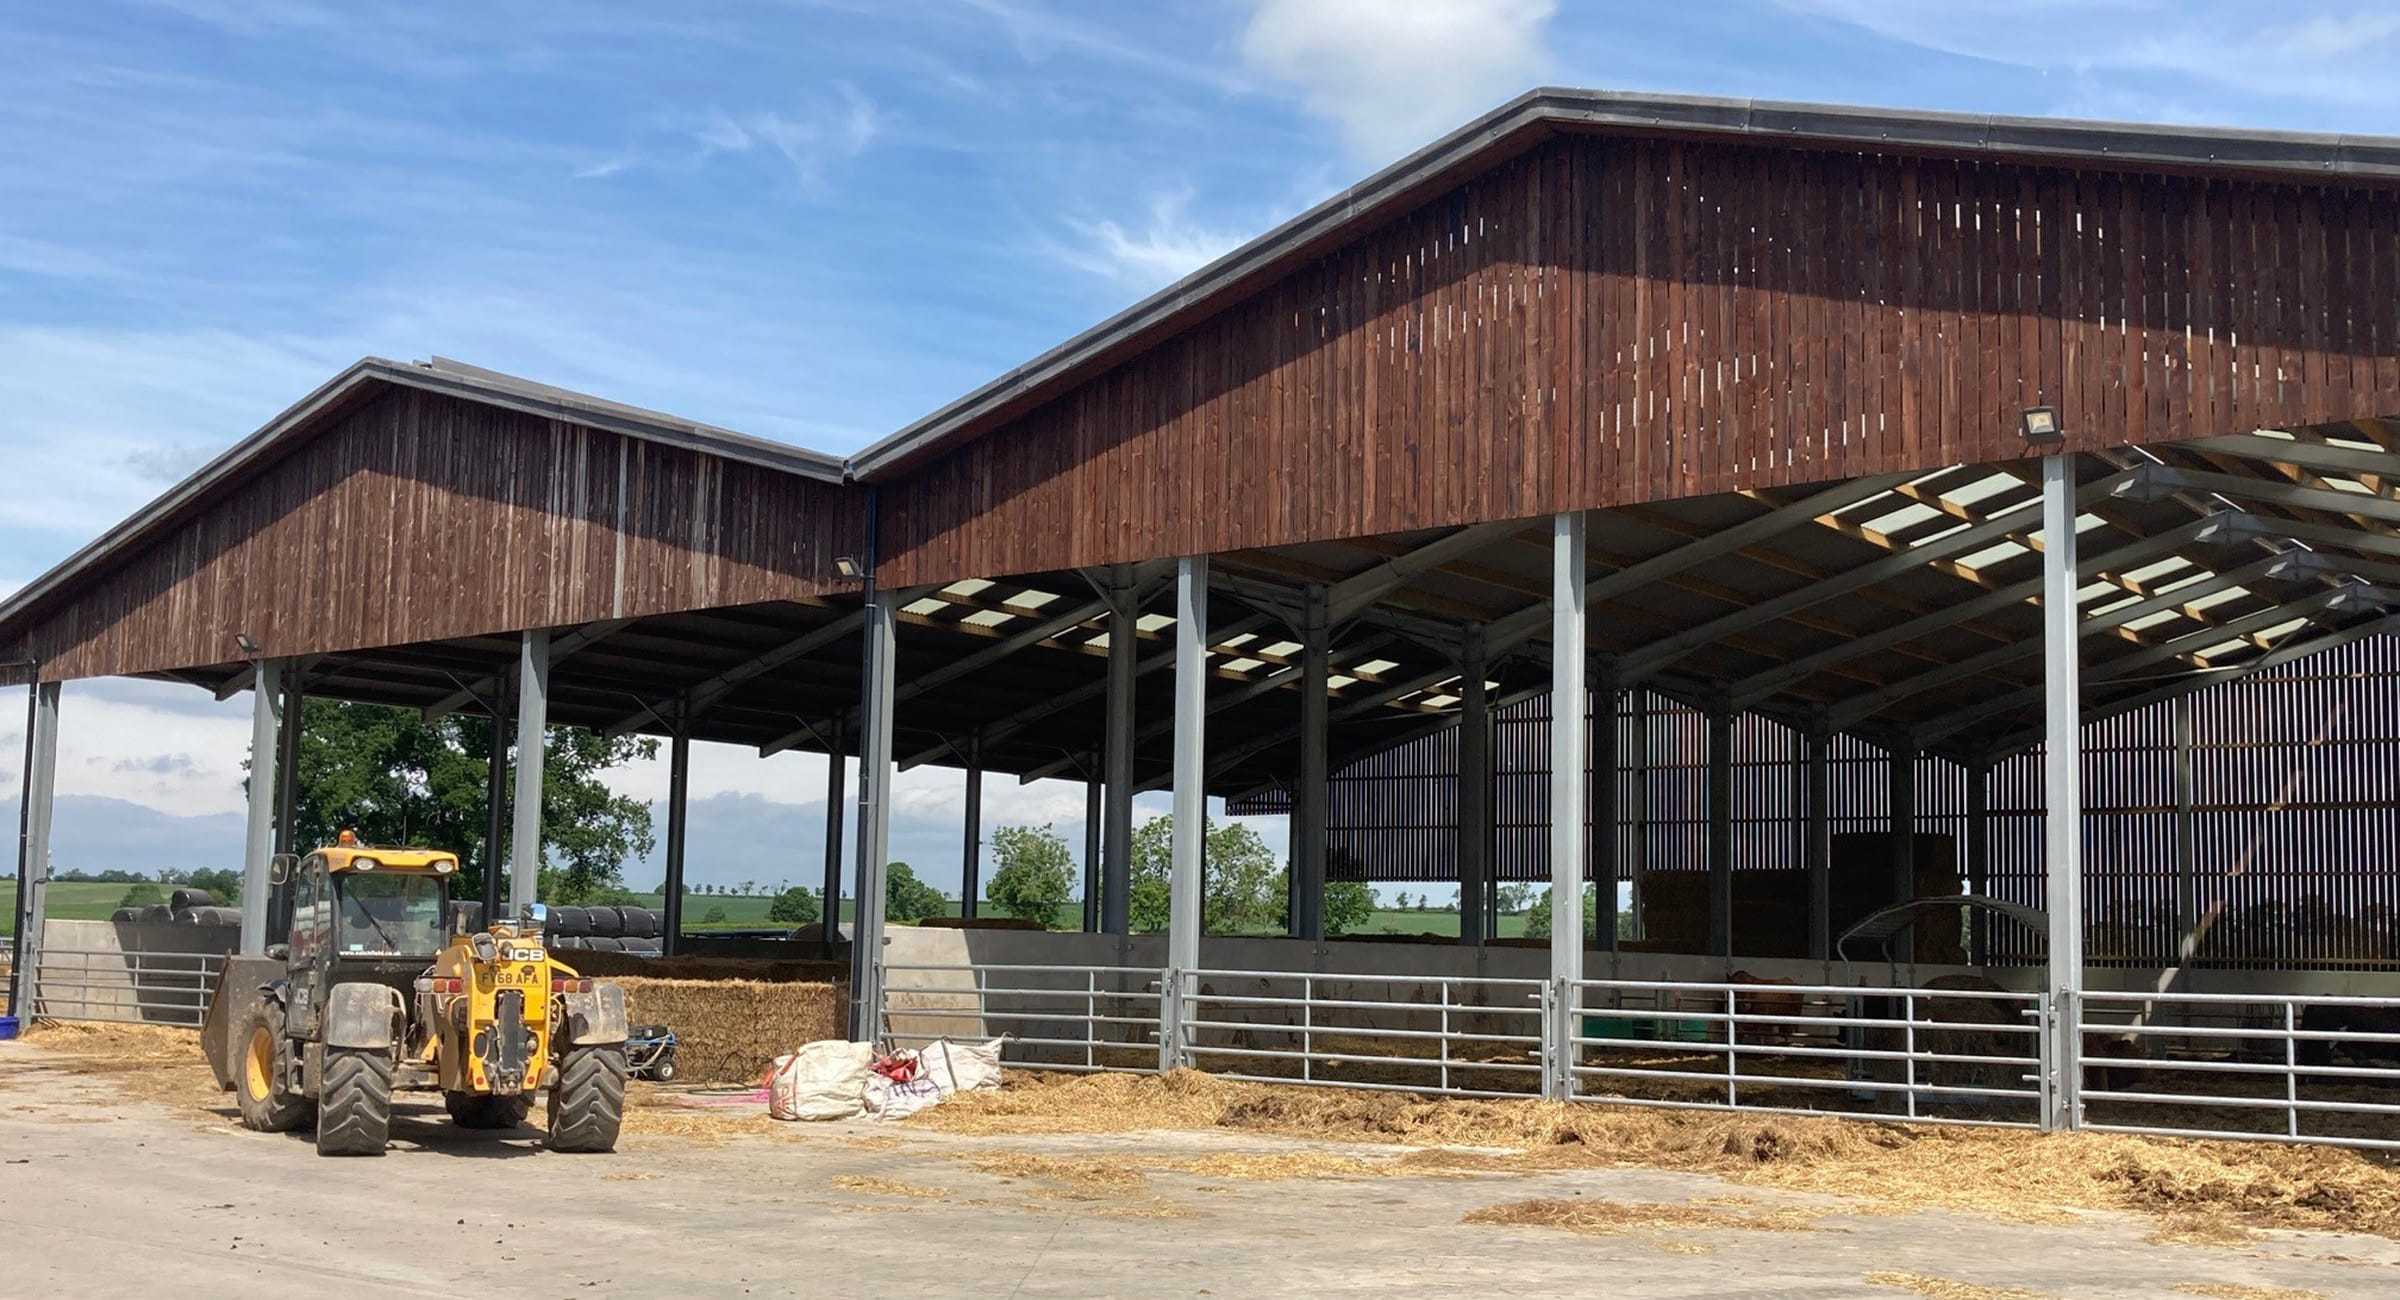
(1603, 322)
(417, 517)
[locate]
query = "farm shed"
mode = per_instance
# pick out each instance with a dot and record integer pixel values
(1930, 445)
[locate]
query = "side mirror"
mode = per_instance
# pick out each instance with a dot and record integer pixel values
(281, 866)
(536, 916)
(466, 918)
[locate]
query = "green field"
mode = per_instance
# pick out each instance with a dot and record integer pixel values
(70, 900)
(73, 900)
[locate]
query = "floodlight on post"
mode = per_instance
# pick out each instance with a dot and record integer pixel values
(849, 567)
(2040, 425)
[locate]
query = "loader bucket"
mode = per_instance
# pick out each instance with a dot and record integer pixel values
(239, 987)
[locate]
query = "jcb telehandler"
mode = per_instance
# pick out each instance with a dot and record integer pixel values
(385, 984)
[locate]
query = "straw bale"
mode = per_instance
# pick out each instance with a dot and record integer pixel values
(2238, 1291)
(729, 1030)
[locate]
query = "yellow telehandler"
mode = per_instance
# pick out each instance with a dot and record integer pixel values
(385, 984)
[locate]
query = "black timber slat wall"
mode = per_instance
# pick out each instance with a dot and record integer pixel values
(2296, 813)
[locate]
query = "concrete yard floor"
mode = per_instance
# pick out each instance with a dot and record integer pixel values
(109, 1196)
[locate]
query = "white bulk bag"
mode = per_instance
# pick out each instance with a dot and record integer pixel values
(824, 1080)
(961, 1067)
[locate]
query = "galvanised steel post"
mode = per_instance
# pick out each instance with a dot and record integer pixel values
(1818, 852)
(2062, 792)
(1902, 830)
(287, 761)
(970, 853)
(1720, 829)
(1604, 808)
(533, 717)
(258, 846)
(1116, 877)
(1092, 817)
(836, 768)
(1568, 756)
(679, 798)
(1309, 801)
(874, 814)
(1191, 802)
(1475, 922)
(495, 794)
(1979, 856)
(33, 842)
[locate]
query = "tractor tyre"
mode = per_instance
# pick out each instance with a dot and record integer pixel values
(486, 1110)
(260, 1073)
(588, 1105)
(354, 1104)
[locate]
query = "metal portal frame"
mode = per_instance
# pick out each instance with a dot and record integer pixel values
(2062, 791)
(258, 842)
(533, 717)
(1569, 585)
(38, 797)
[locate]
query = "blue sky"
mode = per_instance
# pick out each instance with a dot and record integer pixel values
(810, 221)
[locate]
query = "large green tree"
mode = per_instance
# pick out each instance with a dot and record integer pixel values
(1035, 874)
(398, 779)
(908, 900)
(1242, 883)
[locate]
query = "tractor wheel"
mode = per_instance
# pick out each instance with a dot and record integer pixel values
(588, 1105)
(354, 1105)
(262, 1070)
(486, 1110)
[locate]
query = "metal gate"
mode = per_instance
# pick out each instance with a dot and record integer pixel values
(2290, 1068)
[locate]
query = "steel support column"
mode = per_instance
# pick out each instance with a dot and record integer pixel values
(836, 768)
(1979, 858)
(495, 797)
(258, 846)
(287, 761)
(1720, 830)
(533, 717)
(2187, 842)
(1116, 884)
(1640, 866)
(1902, 837)
(970, 853)
(1310, 800)
(1092, 817)
(1568, 754)
(36, 796)
(1604, 809)
(1476, 924)
(874, 813)
(679, 790)
(1817, 837)
(1191, 802)
(2062, 792)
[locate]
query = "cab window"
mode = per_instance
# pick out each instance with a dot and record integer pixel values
(311, 914)
(388, 913)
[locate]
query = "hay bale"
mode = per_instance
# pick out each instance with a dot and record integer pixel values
(728, 1030)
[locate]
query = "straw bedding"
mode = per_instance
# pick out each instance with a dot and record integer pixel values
(2011, 1174)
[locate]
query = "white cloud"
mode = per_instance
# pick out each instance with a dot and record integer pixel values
(2329, 58)
(1394, 77)
(809, 139)
(1166, 247)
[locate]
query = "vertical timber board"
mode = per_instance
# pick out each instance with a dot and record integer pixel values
(1608, 321)
(413, 517)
